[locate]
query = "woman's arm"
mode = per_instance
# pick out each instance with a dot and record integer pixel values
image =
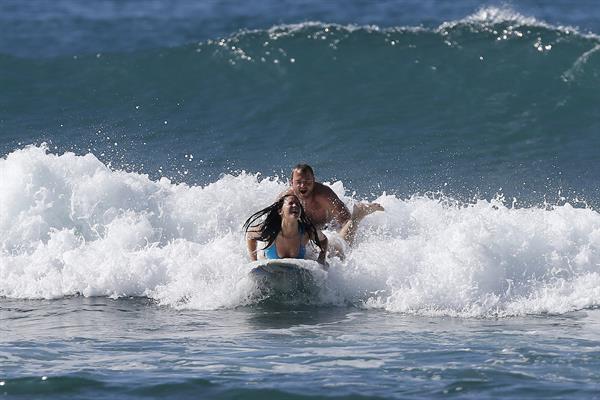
(323, 252)
(251, 239)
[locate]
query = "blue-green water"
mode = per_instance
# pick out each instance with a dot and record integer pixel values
(495, 101)
(135, 139)
(126, 348)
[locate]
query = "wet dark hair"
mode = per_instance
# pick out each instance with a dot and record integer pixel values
(303, 168)
(271, 226)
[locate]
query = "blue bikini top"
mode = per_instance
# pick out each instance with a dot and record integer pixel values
(271, 251)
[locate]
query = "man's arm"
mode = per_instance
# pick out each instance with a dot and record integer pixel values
(342, 215)
(336, 207)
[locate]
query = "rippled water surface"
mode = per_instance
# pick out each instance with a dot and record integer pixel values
(79, 347)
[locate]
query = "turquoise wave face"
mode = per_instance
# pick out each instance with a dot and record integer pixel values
(472, 107)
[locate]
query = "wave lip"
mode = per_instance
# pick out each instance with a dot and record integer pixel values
(487, 16)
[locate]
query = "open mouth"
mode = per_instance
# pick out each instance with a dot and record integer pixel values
(294, 210)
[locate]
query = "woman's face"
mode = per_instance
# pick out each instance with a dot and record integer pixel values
(290, 208)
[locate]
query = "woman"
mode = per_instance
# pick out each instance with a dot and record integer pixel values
(286, 229)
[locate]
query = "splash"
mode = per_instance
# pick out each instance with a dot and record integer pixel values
(69, 225)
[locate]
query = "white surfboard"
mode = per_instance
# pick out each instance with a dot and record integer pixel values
(289, 275)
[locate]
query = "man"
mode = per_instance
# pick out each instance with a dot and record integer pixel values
(323, 206)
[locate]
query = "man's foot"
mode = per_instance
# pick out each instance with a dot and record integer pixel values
(361, 210)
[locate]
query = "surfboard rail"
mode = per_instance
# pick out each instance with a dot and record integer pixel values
(289, 275)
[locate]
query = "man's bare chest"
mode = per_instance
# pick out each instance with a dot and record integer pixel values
(318, 214)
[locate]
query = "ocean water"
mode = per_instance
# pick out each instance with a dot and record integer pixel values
(137, 137)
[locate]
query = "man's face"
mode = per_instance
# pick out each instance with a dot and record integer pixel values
(302, 183)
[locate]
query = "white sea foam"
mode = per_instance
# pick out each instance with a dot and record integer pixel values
(484, 17)
(71, 225)
(492, 15)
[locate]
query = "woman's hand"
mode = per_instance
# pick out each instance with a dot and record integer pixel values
(323, 263)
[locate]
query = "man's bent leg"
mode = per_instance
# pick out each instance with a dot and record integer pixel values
(361, 210)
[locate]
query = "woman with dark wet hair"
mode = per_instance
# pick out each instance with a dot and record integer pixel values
(286, 229)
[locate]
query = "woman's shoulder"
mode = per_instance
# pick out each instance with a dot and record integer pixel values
(253, 233)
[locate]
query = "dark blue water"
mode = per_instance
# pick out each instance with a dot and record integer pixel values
(136, 137)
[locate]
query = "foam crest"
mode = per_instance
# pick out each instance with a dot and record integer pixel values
(443, 258)
(485, 19)
(70, 225)
(497, 15)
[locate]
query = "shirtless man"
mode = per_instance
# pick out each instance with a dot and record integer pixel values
(323, 206)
